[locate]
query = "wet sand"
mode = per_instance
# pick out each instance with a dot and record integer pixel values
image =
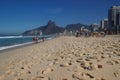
(64, 58)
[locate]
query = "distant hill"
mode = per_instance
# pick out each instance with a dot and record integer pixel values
(52, 28)
(76, 27)
(48, 29)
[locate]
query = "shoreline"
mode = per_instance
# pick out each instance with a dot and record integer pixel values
(15, 47)
(2, 49)
(18, 44)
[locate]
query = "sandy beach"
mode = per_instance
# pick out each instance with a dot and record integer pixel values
(64, 58)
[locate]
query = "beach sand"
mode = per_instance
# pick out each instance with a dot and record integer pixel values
(64, 58)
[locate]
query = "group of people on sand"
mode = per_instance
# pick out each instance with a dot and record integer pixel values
(88, 34)
(85, 34)
(35, 39)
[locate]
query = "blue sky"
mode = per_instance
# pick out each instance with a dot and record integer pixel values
(16, 16)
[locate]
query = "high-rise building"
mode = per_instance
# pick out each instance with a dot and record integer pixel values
(114, 19)
(104, 24)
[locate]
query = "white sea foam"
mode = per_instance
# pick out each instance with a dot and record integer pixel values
(3, 37)
(17, 45)
(13, 46)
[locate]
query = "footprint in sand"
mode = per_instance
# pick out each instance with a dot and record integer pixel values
(113, 62)
(75, 68)
(95, 67)
(51, 64)
(39, 78)
(117, 73)
(79, 60)
(88, 76)
(65, 64)
(116, 61)
(99, 66)
(77, 76)
(90, 66)
(48, 70)
(110, 62)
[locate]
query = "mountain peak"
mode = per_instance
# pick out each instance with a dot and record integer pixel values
(51, 23)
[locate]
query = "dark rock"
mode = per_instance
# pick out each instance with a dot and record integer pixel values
(50, 28)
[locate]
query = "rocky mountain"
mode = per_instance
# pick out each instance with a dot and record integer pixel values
(76, 27)
(52, 28)
(48, 29)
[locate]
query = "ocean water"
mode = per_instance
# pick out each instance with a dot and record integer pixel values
(14, 41)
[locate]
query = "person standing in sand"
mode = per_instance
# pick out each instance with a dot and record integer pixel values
(35, 39)
(43, 38)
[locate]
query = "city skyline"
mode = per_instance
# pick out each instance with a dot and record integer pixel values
(17, 16)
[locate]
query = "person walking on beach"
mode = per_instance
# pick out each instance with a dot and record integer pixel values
(35, 39)
(43, 38)
(77, 34)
